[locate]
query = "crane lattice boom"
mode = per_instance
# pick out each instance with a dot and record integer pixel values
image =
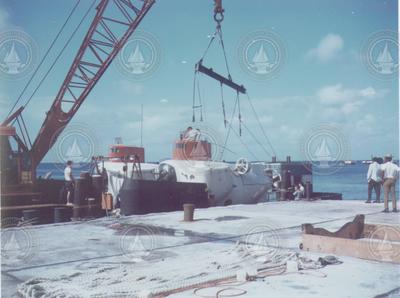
(113, 24)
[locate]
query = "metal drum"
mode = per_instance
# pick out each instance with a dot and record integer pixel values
(80, 194)
(308, 190)
(96, 193)
(62, 214)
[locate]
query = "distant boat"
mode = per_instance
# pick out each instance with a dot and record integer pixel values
(385, 61)
(366, 161)
(136, 61)
(349, 162)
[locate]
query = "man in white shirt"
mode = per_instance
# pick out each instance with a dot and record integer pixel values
(69, 181)
(390, 176)
(299, 192)
(374, 178)
(191, 134)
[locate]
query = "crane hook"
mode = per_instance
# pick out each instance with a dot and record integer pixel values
(218, 11)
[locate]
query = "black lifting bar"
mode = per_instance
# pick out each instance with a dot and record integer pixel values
(228, 82)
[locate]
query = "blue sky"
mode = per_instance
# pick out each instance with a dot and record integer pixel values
(323, 80)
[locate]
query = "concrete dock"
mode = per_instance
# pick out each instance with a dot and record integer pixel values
(161, 254)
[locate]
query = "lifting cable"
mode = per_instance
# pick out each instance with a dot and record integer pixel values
(221, 40)
(230, 128)
(218, 32)
(239, 114)
(259, 123)
(196, 85)
(218, 17)
(223, 105)
(194, 97)
(243, 143)
(44, 57)
(256, 140)
(200, 101)
(238, 135)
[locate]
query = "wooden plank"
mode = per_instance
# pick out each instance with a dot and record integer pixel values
(383, 232)
(378, 250)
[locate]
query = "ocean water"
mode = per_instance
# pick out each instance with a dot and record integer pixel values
(350, 180)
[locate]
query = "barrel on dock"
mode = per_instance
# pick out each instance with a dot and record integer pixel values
(62, 214)
(97, 185)
(96, 193)
(31, 216)
(284, 185)
(81, 191)
(188, 212)
(308, 190)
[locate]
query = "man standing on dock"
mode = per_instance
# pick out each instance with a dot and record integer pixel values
(390, 176)
(69, 181)
(374, 178)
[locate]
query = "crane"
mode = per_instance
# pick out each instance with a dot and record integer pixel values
(106, 36)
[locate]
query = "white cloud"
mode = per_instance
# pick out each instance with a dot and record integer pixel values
(368, 92)
(351, 107)
(164, 100)
(336, 99)
(336, 94)
(328, 48)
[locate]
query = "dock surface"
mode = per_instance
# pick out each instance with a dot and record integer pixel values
(159, 253)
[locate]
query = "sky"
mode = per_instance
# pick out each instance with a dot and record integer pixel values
(322, 83)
